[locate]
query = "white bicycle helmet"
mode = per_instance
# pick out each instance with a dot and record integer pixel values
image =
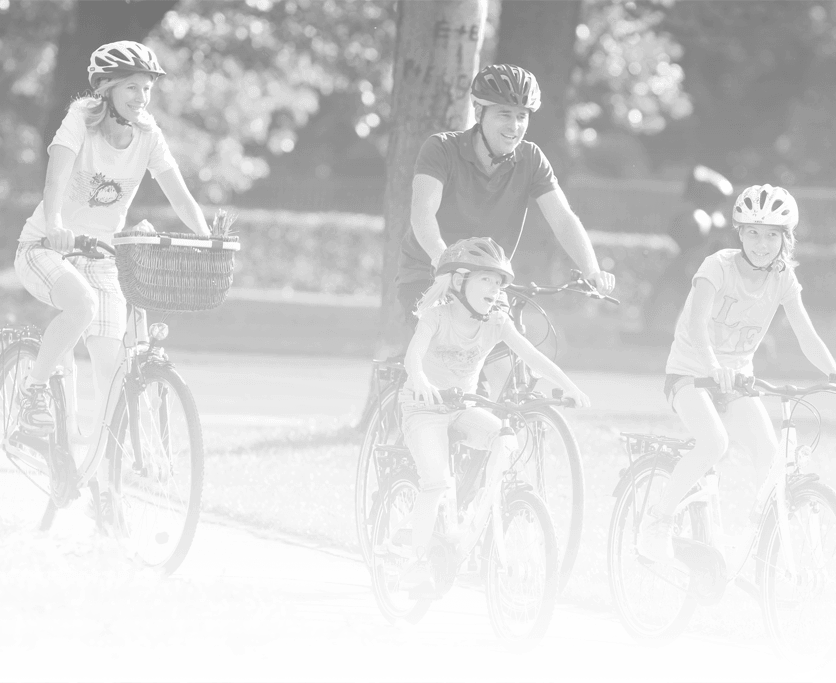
(476, 253)
(765, 205)
(122, 58)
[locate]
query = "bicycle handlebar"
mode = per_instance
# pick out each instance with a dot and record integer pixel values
(456, 398)
(87, 246)
(753, 386)
(577, 284)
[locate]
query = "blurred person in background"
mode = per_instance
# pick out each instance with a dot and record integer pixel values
(700, 228)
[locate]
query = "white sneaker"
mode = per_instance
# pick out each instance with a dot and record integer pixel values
(417, 578)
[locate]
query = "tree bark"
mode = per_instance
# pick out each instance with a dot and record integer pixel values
(94, 23)
(539, 35)
(436, 58)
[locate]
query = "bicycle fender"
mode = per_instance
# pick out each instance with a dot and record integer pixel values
(770, 519)
(627, 474)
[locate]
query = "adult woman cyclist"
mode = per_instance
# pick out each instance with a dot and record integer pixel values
(104, 146)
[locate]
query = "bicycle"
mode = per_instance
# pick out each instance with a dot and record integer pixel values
(792, 539)
(495, 510)
(150, 435)
(553, 460)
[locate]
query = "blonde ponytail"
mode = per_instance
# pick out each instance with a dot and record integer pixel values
(437, 294)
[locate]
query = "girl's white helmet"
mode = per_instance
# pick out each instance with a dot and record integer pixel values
(124, 57)
(765, 205)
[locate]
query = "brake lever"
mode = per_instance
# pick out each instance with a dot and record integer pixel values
(93, 254)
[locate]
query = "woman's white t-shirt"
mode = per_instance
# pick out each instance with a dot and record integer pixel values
(104, 179)
(740, 316)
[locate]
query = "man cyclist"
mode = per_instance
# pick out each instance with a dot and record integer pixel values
(477, 183)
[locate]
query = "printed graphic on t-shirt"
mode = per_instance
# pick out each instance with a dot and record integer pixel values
(99, 190)
(458, 360)
(736, 337)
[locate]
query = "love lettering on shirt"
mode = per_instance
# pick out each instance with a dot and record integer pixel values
(740, 336)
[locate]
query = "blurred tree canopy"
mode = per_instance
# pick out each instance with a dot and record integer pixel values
(303, 87)
(745, 86)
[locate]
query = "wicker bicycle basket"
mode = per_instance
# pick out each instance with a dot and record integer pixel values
(172, 277)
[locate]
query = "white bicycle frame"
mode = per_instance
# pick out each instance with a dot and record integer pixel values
(773, 487)
(136, 333)
(490, 502)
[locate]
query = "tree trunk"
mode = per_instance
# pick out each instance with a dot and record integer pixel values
(436, 58)
(94, 23)
(539, 35)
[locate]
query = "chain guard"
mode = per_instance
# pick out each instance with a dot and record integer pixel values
(442, 557)
(709, 576)
(62, 477)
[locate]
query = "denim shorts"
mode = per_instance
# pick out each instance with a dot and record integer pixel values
(39, 268)
(673, 383)
(425, 430)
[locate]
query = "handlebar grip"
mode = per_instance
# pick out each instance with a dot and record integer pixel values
(451, 395)
(568, 402)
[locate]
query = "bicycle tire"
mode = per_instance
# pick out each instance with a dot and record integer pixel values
(653, 601)
(394, 604)
(565, 501)
(155, 507)
(800, 613)
(518, 615)
(18, 357)
(382, 428)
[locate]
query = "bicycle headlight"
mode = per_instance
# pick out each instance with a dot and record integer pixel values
(158, 331)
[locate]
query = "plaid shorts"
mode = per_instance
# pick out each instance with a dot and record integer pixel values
(39, 268)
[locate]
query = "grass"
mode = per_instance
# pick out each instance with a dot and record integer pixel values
(298, 478)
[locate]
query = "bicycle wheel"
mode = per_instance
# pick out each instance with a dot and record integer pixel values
(653, 600)
(386, 564)
(521, 593)
(18, 358)
(155, 453)
(799, 608)
(382, 429)
(552, 464)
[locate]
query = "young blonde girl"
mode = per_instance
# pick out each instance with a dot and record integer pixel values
(458, 325)
(733, 298)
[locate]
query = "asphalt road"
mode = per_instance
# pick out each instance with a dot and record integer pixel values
(328, 584)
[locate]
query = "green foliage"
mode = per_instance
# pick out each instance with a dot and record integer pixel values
(243, 78)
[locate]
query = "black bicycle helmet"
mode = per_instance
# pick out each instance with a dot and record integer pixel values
(506, 84)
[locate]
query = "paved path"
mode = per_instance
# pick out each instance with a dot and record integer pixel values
(328, 583)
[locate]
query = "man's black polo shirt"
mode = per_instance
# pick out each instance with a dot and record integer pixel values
(474, 204)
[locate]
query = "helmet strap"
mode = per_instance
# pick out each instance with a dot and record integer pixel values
(495, 158)
(462, 297)
(111, 110)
